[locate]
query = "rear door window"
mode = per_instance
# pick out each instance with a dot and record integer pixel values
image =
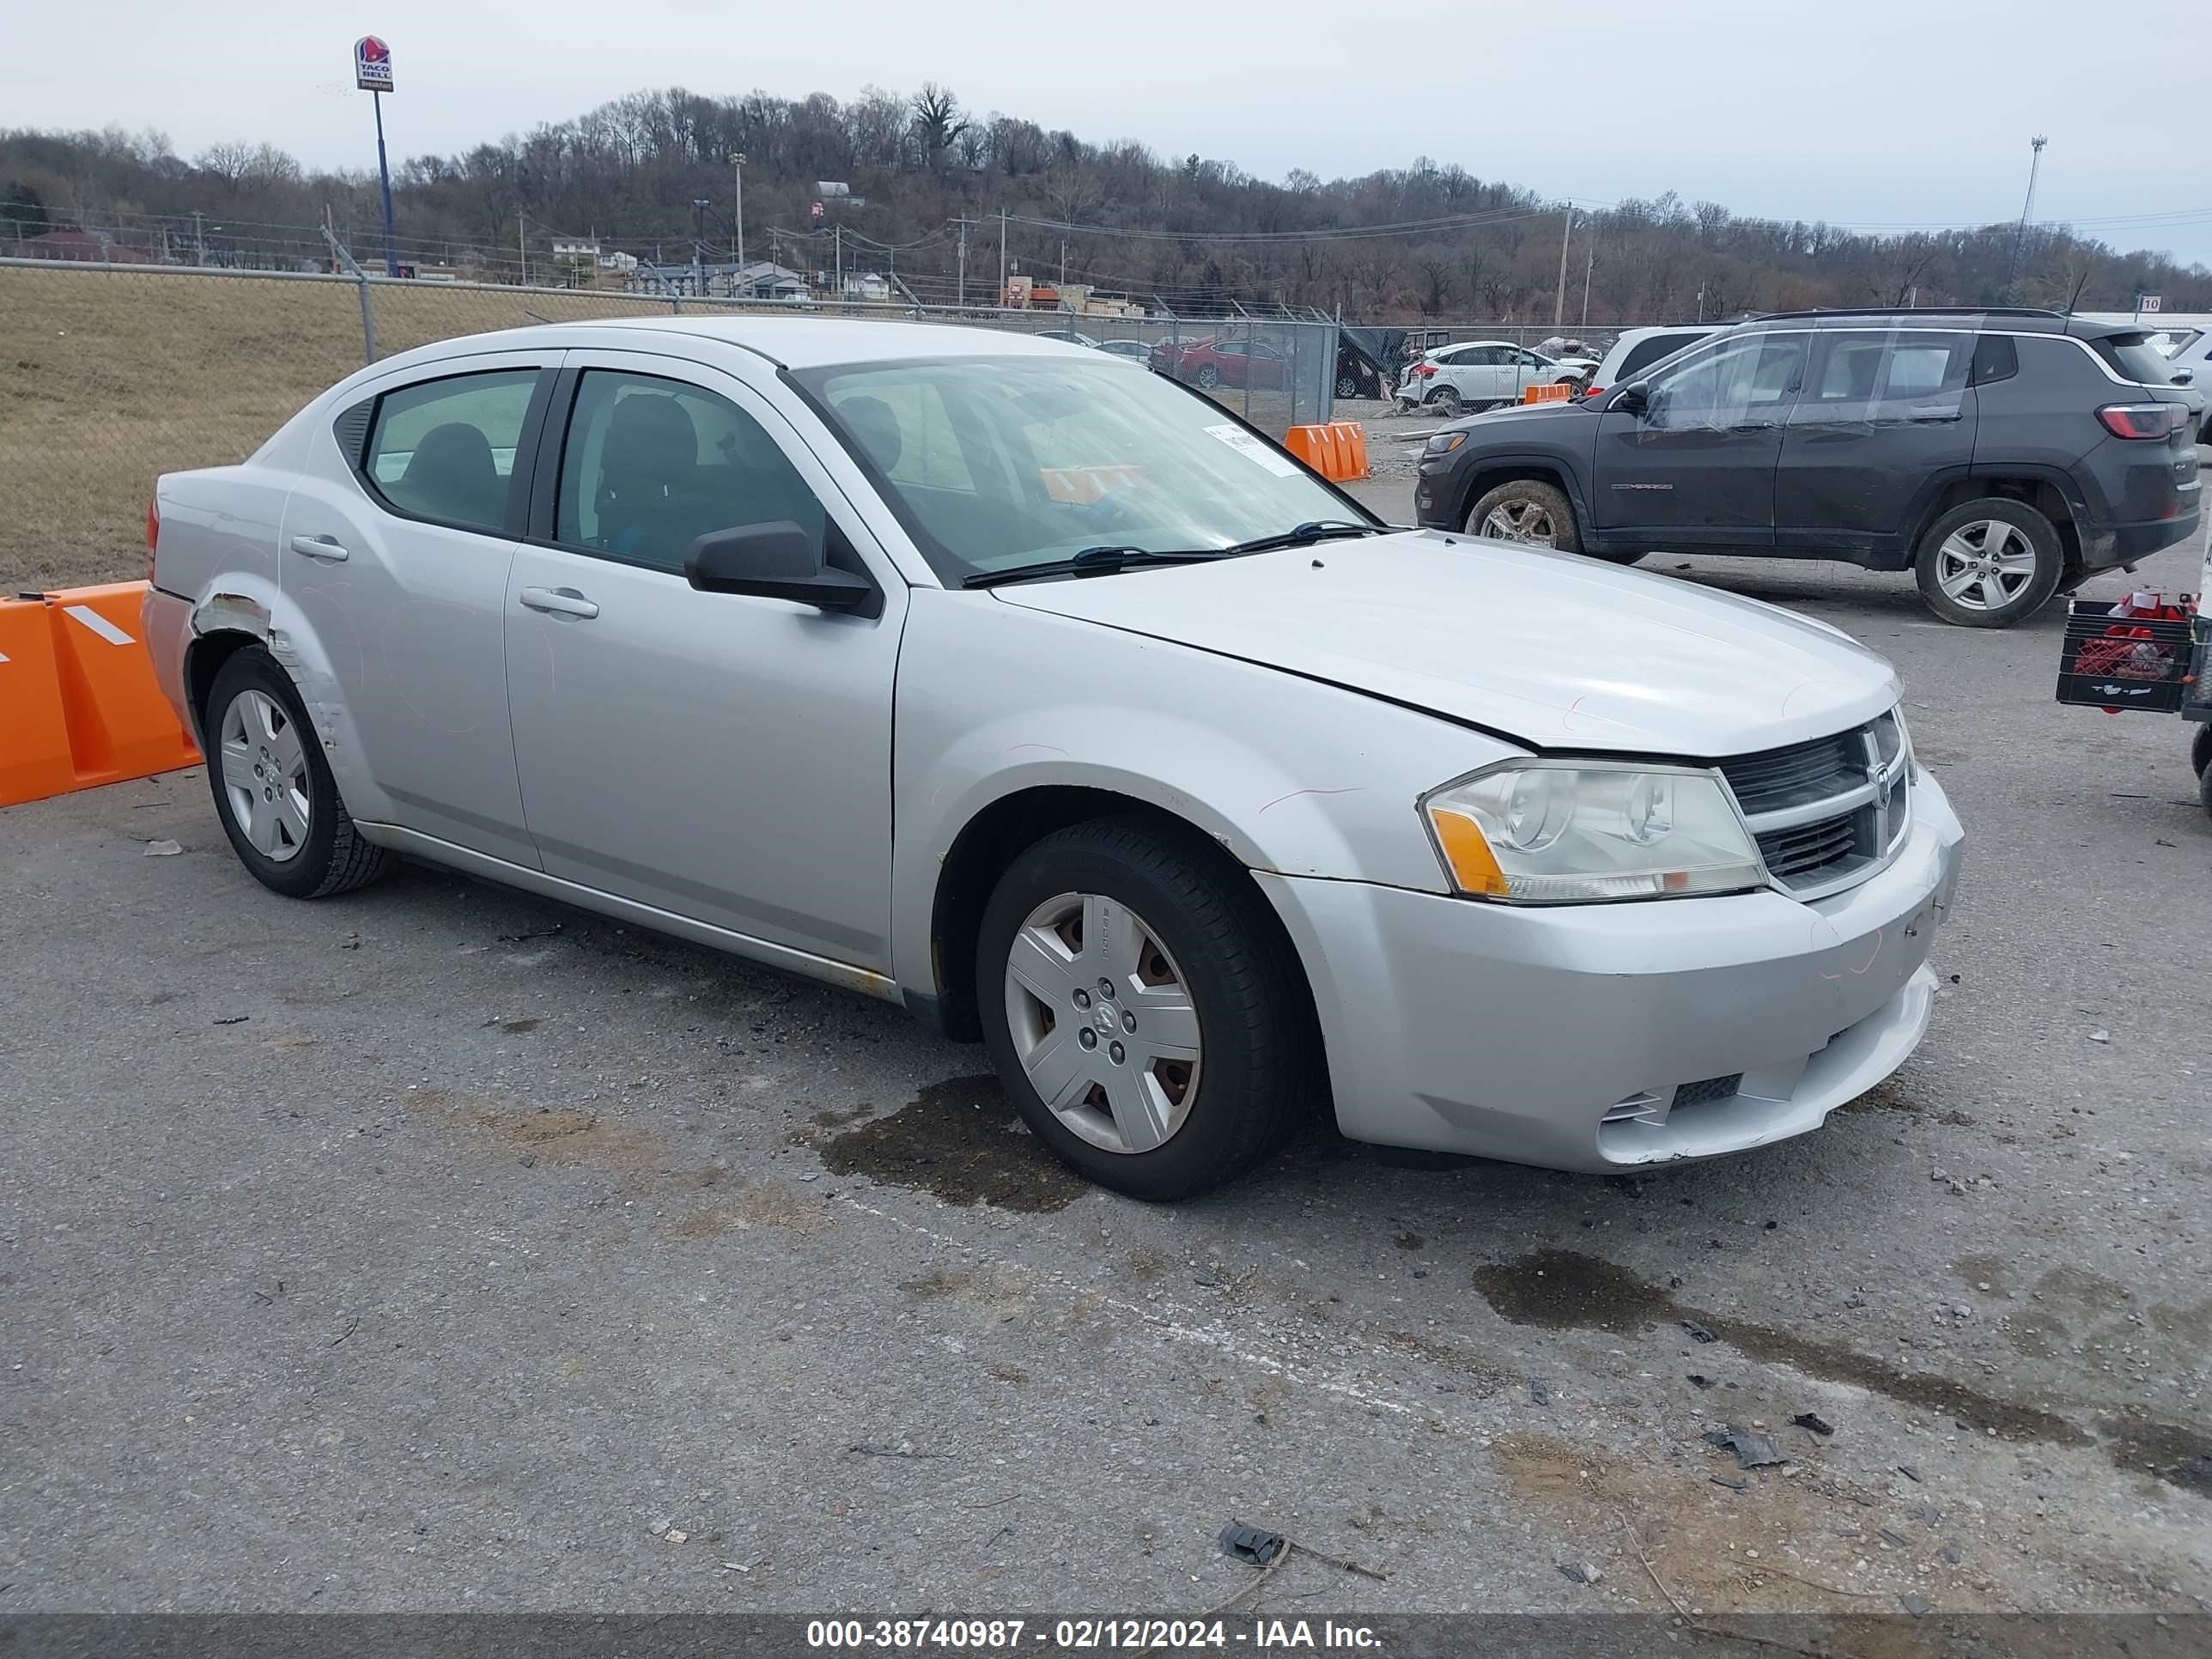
(1908, 375)
(444, 450)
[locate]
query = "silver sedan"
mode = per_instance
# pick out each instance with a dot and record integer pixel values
(972, 672)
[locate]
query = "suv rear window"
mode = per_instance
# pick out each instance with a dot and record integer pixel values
(1644, 353)
(2134, 358)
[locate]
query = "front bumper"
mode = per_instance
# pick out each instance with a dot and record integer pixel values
(1560, 1036)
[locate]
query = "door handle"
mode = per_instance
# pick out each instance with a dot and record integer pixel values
(1753, 426)
(326, 548)
(559, 601)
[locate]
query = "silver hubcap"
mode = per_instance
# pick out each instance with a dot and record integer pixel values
(1520, 521)
(1103, 1022)
(264, 774)
(1985, 566)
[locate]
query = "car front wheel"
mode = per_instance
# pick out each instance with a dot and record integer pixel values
(1141, 1010)
(1990, 563)
(273, 790)
(1207, 376)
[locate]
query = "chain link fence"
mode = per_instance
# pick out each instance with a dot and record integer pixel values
(111, 374)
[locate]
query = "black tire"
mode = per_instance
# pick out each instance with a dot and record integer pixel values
(2041, 535)
(1346, 386)
(333, 857)
(1533, 497)
(2204, 788)
(1445, 400)
(2200, 752)
(1259, 1059)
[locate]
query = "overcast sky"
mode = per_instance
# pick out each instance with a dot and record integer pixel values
(1878, 113)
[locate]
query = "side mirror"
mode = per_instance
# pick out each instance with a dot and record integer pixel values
(1632, 399)
(775, 561)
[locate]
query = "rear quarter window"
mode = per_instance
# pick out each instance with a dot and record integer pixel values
(2134, 358)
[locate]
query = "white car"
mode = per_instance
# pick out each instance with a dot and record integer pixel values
(1639, 350)
(1478, 374)
(1128, 351)
(967, 670)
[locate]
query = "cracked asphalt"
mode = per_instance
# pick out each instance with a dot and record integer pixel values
(441, 1248)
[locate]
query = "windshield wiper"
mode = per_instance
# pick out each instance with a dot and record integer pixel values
(1305, 535)
(1093, 561)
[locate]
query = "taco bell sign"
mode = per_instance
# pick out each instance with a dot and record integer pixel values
(372, 64)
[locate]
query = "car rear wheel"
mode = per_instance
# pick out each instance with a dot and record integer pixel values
(2200, 752)
(1445, 400)
(1990, 563)
(1207, 376)
(1140, 1010)
(1346, 386)
(273, 790)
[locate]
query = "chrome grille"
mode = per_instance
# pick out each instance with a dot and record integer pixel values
(1826, 813)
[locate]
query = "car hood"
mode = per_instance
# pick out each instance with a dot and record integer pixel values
(1555, 651)
(1491, 420)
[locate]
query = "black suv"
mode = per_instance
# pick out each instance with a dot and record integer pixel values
(2002, 455)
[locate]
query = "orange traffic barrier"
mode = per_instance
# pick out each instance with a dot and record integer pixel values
(1351, 449)
(1307, 443)
(35, 747)
(91, 711)
(1558, 391)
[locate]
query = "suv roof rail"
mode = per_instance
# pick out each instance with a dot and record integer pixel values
(1911, 311)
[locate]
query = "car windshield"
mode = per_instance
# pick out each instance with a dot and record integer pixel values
(995, 464)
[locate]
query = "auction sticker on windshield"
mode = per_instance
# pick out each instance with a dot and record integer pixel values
(1252, 449)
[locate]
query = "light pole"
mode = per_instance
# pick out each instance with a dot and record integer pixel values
(2020, 236)
(1559, 299)
(738, 177)
(699, 245)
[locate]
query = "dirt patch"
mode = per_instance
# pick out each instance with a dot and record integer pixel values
(550, 1135)
(959, 1141)
(1559, 1290)
(770, 1204)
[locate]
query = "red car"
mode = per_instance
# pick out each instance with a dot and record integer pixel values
(1211, 363)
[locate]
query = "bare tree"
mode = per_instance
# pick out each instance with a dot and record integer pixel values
(937, 123)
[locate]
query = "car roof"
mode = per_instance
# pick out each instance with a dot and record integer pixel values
(794, 342)
(2001, 320)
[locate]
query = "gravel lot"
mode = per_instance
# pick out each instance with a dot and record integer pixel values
(443, 1249)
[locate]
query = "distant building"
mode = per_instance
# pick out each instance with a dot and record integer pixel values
(81, 248)
(756, 279)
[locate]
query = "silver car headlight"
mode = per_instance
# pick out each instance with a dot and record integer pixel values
(1580, 832)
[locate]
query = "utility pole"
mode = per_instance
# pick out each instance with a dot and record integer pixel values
(1590, 265)
(1001, 301)
(2026, 208)
(199, 236)
(963, 263)
(738, 172)
(1063, 262)
(522, 244)
(837, 240)
(1559, 299)
(699, 245)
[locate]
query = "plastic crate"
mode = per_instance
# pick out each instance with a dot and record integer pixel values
(2124, 662)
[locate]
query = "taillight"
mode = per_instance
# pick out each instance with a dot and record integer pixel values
(1425, 369)
(2143, 420)
(1594, 392)
(153, 534)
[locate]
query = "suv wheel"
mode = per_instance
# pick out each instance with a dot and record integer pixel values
(1142, 1015)
(1989, 563)
(1536, 514)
